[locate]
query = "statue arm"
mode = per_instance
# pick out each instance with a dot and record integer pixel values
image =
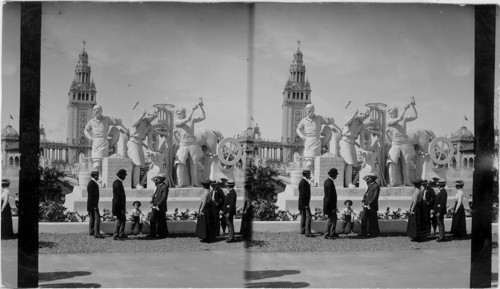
(414, 116)
(202, 117)
(183, 121)
(350, 119)
(88, 130)
(299, 131)
(138, 120)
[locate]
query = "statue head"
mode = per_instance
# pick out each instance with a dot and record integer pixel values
(180, 112)
(97, 111)
(150, 115)
(363, 114)
(393, 112)
(310, 110)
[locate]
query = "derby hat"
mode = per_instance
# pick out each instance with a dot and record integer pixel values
(333, 172)
(417, 181)
(206, 182)
(121, 172)
(136, 202)
(94, 173)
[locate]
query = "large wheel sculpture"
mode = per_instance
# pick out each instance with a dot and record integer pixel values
(229, 152)
(441, 151)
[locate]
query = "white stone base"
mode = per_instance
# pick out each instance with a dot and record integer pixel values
(323, 164)
(110, 167)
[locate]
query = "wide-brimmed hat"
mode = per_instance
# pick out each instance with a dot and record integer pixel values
(136, 202)
(372, 176)
(230, 183)
(425, 182)
(348, 201)
(159, 177)
(441, 182)
(459, 183)
(5, 182)
(417, 181)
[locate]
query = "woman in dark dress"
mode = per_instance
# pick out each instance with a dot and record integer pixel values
(247, 217)
(204, 225)
(215, 223)
(417, 221)
(458, 227)
(7, 230)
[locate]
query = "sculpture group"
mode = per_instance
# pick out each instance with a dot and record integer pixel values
(383, 142)
(157, 142)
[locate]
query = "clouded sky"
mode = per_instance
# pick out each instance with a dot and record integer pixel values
(144, 52)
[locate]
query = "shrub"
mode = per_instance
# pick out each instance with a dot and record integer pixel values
(51, 211)
(396, 214)
(52, 185)
(107, 216)
(264, 182)
(265, 210)
(319, 215)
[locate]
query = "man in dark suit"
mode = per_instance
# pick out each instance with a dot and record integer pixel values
(93, 205)
(429, 198)
(369, 217)
(119, 205)
(304, 199)
(230, 210)
(158, 221)
(219, 200)
(440, 208)
(330, 204)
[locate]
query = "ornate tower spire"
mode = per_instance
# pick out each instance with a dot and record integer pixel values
(81, 99)
(296, 95)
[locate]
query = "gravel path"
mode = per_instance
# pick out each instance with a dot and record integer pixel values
(83, 243)
(262, 243)
(294, 242)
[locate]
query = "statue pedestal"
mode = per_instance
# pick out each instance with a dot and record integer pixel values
(151, 173)
(323, 164)
(110, 167)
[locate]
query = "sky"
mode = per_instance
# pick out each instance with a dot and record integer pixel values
(362, 53)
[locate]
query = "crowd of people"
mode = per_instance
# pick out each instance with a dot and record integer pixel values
(427, 209)
(217, 210)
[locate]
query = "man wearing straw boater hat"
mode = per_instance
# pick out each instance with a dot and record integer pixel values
(369, 218)
(93, 205)
(230, 209)
(158, 221)
(440, 208)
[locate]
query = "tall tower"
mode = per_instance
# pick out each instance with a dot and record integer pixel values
(296, 95)
(82, 98)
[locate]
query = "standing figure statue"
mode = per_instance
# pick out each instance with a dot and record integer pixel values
(189, 153)
(352, 129)
(400, 144)
(141, 128)
(309, 129)
(96, 131)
